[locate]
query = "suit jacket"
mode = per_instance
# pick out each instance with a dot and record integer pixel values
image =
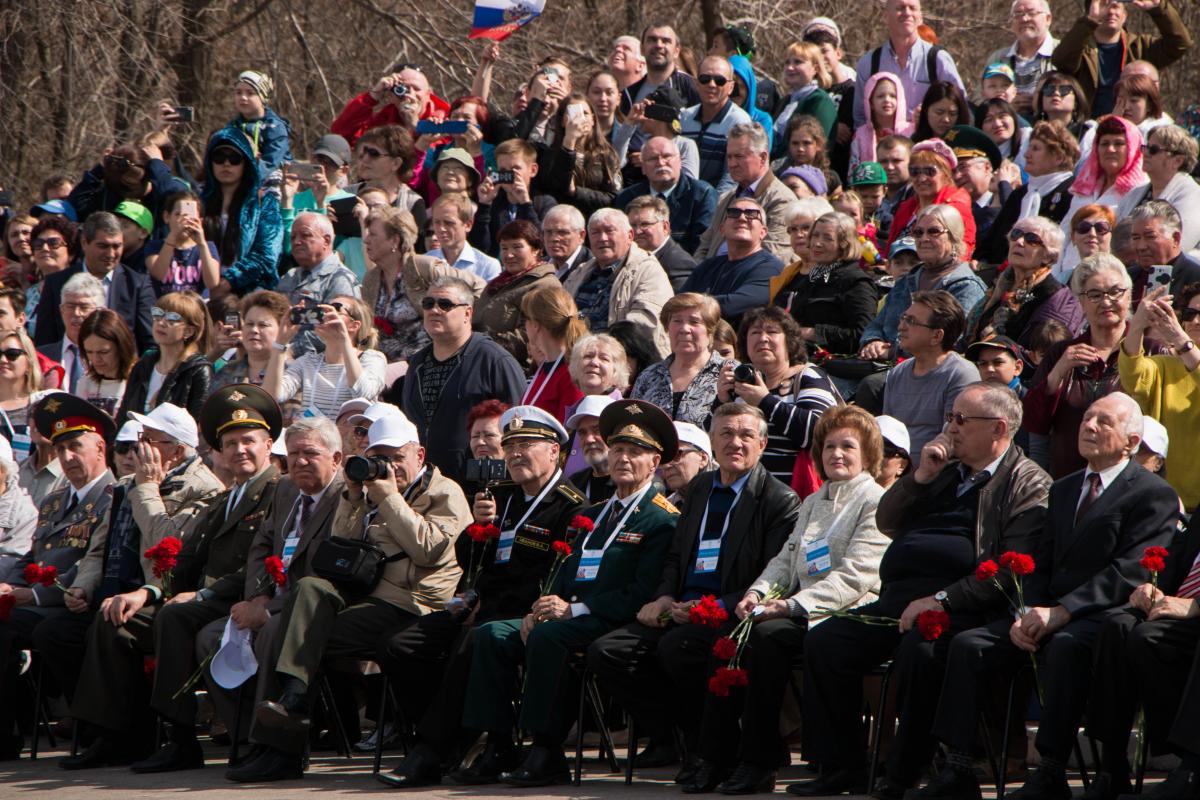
(273, 533)
(214, 551)
(582, 257)
(691, 202)
(631, 566)
(1092, 565)
(1181, 554)
(53, 350)
(762, 520)
(992, 248)
(677, 262)
(131, 296)
(62, 539)
(774, 195)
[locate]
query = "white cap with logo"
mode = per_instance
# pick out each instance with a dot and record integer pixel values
(375, 412)
(589, 406)
(392, 430)
(172, 420)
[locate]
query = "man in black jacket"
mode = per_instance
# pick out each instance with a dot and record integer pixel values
(650, 220)
(733, 522)
(1099, 521)
(690, 201)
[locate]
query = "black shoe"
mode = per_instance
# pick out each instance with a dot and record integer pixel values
(707, 778)
(247, 754)
(688, 770)
(1106, 787)
(421, 767)
(888, 789)
(542, 767)
(749, 779)
(270, 765)
(289, 713)
(495, 760)
(657, 754)
(100, 753)
(11, 747)
(841, 781)
(1181, 784)
(172, 757)
(1043, 784)
(949, 784)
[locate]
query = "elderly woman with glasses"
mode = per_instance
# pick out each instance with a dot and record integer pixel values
(1026, 293)
(1169, 156)
(931, 171)
(1077, 372)
(1165, 385)
(176, 370)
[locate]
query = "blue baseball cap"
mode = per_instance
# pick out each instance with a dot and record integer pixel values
(59, 207)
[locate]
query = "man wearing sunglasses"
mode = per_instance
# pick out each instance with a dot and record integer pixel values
(708, 123)
(457, 371)
(1155, 239)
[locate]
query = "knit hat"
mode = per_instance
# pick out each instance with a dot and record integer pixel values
(259, 82)
(813, 177)
(823, 24)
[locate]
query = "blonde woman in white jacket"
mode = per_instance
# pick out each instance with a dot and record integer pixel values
(831, 560)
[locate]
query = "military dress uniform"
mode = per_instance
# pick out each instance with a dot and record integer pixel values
(610, 574)
(112, 693)
(430, 660)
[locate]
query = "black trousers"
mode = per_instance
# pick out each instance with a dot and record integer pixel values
(774, 645)
(982, 656)
(1147, 662)
(16, 634)
(660, 676)
(838, 653)
(62, 639)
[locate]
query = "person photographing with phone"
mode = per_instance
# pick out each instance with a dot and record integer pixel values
(185, 260)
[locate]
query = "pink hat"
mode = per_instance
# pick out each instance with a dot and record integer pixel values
(940, 148)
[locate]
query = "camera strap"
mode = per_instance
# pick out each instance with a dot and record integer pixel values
(508, 535)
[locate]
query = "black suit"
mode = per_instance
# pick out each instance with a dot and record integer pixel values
(131, 296)
(692, 203)
(661, 674)
(1088, 567)
(582, 257)
(677, 262)
(993, 248)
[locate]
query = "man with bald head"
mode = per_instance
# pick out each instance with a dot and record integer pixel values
(708, 123)
(691, 201)
(399, 98)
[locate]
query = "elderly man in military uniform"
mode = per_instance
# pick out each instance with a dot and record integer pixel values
(429, 661)
(79, 433)
(612, 572)
(411, 512)
(112, 696)
(170, 485)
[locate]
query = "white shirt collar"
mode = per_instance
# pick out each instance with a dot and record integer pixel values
(1107, 476)
(984, 200)
(1045, 51)
(82, 493)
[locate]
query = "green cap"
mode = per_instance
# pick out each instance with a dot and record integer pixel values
(868, 173)
(135, 212)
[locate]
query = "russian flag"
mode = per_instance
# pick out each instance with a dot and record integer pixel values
(499, 19)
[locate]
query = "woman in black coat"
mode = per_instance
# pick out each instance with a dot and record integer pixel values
(176, 370)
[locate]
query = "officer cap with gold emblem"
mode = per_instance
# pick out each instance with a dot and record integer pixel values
(60, 416)
(531, 422)
(968, 141)
(240, 405)
(641, 423)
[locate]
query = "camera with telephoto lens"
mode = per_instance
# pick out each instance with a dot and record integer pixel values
(361, 469)
(745, 373)
(400, 90)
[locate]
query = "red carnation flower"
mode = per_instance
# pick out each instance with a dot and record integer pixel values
(33, 574)
(1157, 552)
(49, 576)
(149, 664)
(562, 548)
(7, 604)
(275, 568)
(582, 524)
(986, 570)
(1153, 563)
(707, 612)
(724, 648)
(492, 531)
(933, 623)
(1019, 563)
(477, 532)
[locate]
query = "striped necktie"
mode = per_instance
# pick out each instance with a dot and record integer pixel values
(1191, 584)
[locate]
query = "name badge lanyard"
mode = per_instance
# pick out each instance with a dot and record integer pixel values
(708, 552)
(589, 560)
(293, 538)
(526, 400)
(505, 545)
(816, 553)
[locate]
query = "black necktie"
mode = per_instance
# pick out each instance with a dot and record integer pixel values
(1089, 500)
(71, 505)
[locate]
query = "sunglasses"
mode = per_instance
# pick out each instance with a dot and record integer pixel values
(170, 317)
(52, 243)
(1189, 314)
(719, 80)
(444, 304)
(123, 448)
(12, 353)
(1101, 228)
(231, 157)
(921, 233)
(922, 172)
(1029, 236)
(1153, 150)
(1057, 90)
(911, 321)
(961, 419)
(361, 431)
(752, 214)
(118, 161)
(370, 152)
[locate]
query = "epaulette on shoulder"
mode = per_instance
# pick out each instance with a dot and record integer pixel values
(665, 504)
(571, 493)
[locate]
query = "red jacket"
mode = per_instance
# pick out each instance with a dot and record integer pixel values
(555, 393)
(360, 115)
(952, 196)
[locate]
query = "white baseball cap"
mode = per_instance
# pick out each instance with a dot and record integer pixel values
(130, 431)
(279, 444)
(1154, 436)
(693, 435)
(354, 406)
(589, 406)
(894, 431)
(375, 412)
(392, 430)
(6, 452)
(172, 420)
(234, 663)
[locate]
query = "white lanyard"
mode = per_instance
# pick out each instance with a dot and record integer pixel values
(526, 400)
(505, 545)
(708, 552)
(589, 560)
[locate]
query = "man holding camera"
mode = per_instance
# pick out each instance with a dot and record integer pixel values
(409, 511)
(402, 97)
(429, 661)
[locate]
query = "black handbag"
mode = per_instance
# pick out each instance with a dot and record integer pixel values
(853, 368)
(354, 566)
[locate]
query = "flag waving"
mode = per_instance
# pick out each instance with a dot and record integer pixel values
(499, 19)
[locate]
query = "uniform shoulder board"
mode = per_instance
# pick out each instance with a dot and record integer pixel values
(571, 493)
(665, 504)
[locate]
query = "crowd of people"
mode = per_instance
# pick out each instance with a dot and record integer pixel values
(719, 389)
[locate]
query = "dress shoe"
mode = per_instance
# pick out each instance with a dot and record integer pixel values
(289, 713)
(421, 767)
(707, 778)
(542, 767)
(887, 788)
(840, 781)
(688, 770)
(1104, 786)
(1043, 784)
(173, 756)
(247, 754)
(657, 754)
(1181, 784)
(11, 747)
(270, 765)
(100, 753)
(949, 784)
(495, 760)
(749, 779)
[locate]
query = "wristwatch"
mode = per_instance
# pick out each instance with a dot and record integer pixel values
(1183, 348)
(943, 599)
(280, 347)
